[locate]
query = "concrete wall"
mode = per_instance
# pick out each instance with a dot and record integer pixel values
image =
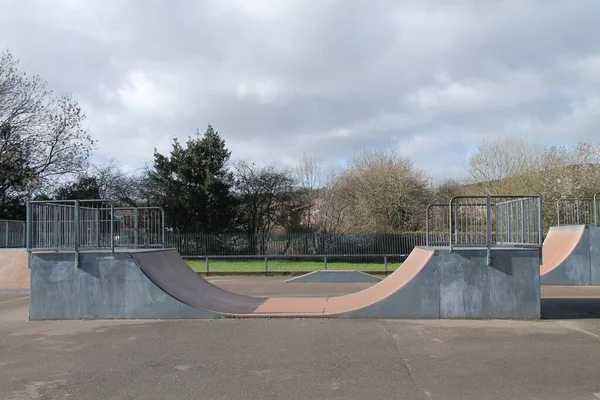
(509, 288)
(460, 284)
(575, 270)
(594, 239)
(102, 286)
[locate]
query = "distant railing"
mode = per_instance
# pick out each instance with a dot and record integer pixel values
(12, 234)
(292, 244)
(76, 225)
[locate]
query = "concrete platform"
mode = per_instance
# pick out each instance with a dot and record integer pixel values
(324, 275)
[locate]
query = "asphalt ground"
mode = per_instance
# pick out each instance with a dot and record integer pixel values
(557, 358)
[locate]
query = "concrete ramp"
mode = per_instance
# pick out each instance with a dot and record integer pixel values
(159, 284)
(14, 271)
(569, 258)
(330, 276)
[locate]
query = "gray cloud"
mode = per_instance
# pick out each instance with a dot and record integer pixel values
(328, 77)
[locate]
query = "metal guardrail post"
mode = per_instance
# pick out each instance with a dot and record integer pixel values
(77, 233)
(578, 204)
(207, 268)
(266, 265)
(596, 208)
(6, 234)
(28, 221)
(385, 264)
(112, 227)
(162, 219)
(427, 226)
(489, 229)
(136, 225)
(325, 262)
(450, 226)
(540, 227)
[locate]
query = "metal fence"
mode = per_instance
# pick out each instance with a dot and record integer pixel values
(578, 211)
(12, 234)
(517, 221)
(436, 225)
(293, 244)
(493, 221)
(90, 225)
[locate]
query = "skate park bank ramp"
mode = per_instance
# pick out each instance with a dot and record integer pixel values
(334, 276)
(159, 284)
(14, 271)
(571, 256)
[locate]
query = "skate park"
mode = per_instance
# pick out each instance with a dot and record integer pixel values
(382, 357)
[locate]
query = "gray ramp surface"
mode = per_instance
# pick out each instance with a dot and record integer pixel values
(171, 273)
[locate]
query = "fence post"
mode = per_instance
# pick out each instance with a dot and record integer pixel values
(325, 262)
(135, 228)
(266, 265)
(28, 222)
(489, 229)
(6, 234)
(77, 232)
(207, 269)
(112, 228)
(385, 264)
(577, 202)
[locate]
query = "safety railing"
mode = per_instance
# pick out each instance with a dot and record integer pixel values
(436, 225)
(577, 211)
(495, 221)
(76, 225)
(139, 227)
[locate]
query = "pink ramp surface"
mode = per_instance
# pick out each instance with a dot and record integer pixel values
(14, 272)
(172, 274)
(559, 244)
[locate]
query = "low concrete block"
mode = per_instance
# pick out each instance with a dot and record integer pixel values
(334, 276)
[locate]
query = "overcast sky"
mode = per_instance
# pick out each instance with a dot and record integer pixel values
(328, 77)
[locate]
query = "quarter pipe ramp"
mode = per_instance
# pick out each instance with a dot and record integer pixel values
(570, 256)
(14, 272)
(160, 284)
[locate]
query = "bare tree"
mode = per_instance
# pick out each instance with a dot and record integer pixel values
(309, 179)
(380, 192)
(262, 192)
(500, 158)
(41, 131)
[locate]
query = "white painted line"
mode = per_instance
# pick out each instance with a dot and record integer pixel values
(597, 395)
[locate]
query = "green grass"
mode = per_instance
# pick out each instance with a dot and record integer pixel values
(284, 265)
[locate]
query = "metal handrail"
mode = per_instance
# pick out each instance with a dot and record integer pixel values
(76, 206)
(488, 205)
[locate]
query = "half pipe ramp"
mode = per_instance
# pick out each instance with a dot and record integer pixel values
(160, 284)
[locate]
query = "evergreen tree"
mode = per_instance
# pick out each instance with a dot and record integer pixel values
(193, 184)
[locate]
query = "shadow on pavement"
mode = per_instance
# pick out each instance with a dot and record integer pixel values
(571, 308)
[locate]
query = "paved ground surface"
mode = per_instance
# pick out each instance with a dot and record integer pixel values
(305, 358)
